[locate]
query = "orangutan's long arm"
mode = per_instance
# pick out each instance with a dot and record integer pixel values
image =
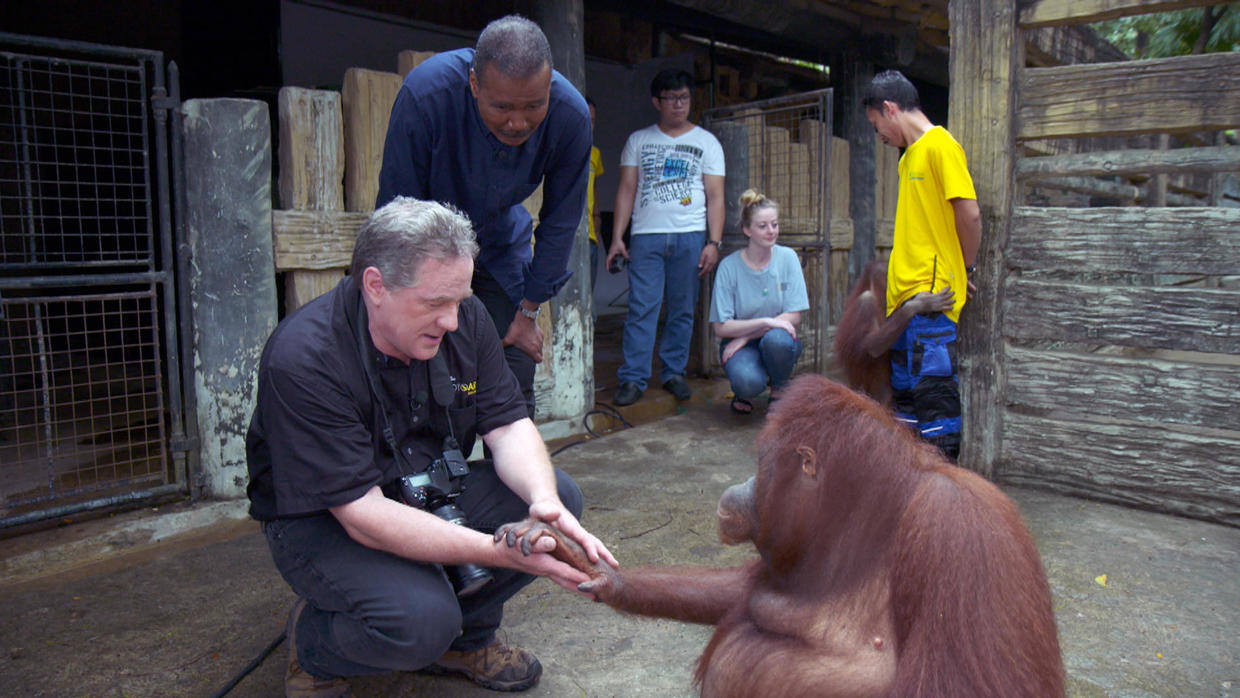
(689, 594)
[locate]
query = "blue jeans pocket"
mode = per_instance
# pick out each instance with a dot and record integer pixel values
(935, 355)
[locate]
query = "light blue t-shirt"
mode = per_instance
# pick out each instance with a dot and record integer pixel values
(744, 294)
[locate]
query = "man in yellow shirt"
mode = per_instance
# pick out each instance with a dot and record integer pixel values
(592, 216)
(938, 230)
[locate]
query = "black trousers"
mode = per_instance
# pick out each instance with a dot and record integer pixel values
(502, 309)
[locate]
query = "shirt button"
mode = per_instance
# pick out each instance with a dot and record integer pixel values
(409, 451)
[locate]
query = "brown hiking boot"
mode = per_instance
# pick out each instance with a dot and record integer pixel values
(496, 666)
(299, 684)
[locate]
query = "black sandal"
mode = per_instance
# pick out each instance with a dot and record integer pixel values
(741, 406)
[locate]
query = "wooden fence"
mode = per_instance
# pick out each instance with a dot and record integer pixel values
(1103, 347)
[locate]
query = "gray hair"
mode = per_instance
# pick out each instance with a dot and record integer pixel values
(514, 46)
(397, 238)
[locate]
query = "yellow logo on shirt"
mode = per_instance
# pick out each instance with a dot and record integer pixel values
(469, 388)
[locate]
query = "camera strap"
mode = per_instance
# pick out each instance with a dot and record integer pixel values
(442, 388)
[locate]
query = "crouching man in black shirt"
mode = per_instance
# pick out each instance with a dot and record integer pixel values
(366, 387)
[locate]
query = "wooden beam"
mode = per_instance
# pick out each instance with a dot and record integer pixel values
(1221, 158)
(839, 279)
(1116, 191)
(1124, 389)
(1125, 239)
(884, 233)
(311, 174)
(409, 59)
(1215, 193)
(311, 149)
(860, 205)
(1125, 193)
(1068, 46)
(1174, 95)
(314, 239)
(986, 52)
(367, 97)
(1156, 188)
(1136, 463)
(1191, 319)
(1049, 13)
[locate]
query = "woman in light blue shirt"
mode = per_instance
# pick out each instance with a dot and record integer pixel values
(757, 304)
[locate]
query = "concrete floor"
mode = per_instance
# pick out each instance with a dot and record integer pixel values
(143, 612)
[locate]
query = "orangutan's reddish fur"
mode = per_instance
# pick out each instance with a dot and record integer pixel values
(864, 311)
(883, 570)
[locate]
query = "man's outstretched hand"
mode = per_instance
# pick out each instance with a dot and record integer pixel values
(532, 535)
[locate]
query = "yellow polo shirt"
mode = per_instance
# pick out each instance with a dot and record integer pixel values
(596, 169)
(926, 255)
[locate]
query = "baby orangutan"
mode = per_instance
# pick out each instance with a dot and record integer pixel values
(882, 569)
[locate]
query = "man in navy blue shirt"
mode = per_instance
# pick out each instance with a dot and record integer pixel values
(479, 129)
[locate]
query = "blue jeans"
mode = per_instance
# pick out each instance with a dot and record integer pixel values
(767, 359)
(371, 612)
(662, 267)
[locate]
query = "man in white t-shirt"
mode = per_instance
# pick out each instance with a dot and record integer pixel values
(671, 184)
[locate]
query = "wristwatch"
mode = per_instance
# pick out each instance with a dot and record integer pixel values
(717, 243)
(531, 314)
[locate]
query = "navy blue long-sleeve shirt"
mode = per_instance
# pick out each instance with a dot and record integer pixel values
(438, 148)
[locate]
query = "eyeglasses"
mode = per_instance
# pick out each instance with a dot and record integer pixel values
(676, 99)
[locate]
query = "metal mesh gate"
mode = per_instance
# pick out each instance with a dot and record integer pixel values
(782, 148)
(89, 377)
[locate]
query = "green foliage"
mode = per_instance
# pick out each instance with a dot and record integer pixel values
(1176, 33)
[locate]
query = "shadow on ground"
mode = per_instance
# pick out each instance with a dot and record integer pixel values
(184, 620)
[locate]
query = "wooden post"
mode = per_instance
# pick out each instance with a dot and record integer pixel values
(1218, 179)
(843, 231)
(311, 174)
(366, 100)
(1157, 192)
(408, 60)
(565, 380)
(985, 57)
(232, 288)
(856, 75)
(886, 195)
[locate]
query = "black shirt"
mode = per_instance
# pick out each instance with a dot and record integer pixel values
(315, 438)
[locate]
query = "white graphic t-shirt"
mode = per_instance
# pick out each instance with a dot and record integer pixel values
(671, 197)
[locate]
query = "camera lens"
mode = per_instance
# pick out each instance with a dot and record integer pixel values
(467, 578)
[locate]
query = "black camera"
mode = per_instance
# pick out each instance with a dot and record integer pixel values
(617, 263)
(435, 490)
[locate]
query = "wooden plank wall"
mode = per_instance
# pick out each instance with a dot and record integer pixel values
(1119, 326)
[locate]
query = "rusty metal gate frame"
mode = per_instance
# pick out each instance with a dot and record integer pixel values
(92, 309)
(768, 133)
